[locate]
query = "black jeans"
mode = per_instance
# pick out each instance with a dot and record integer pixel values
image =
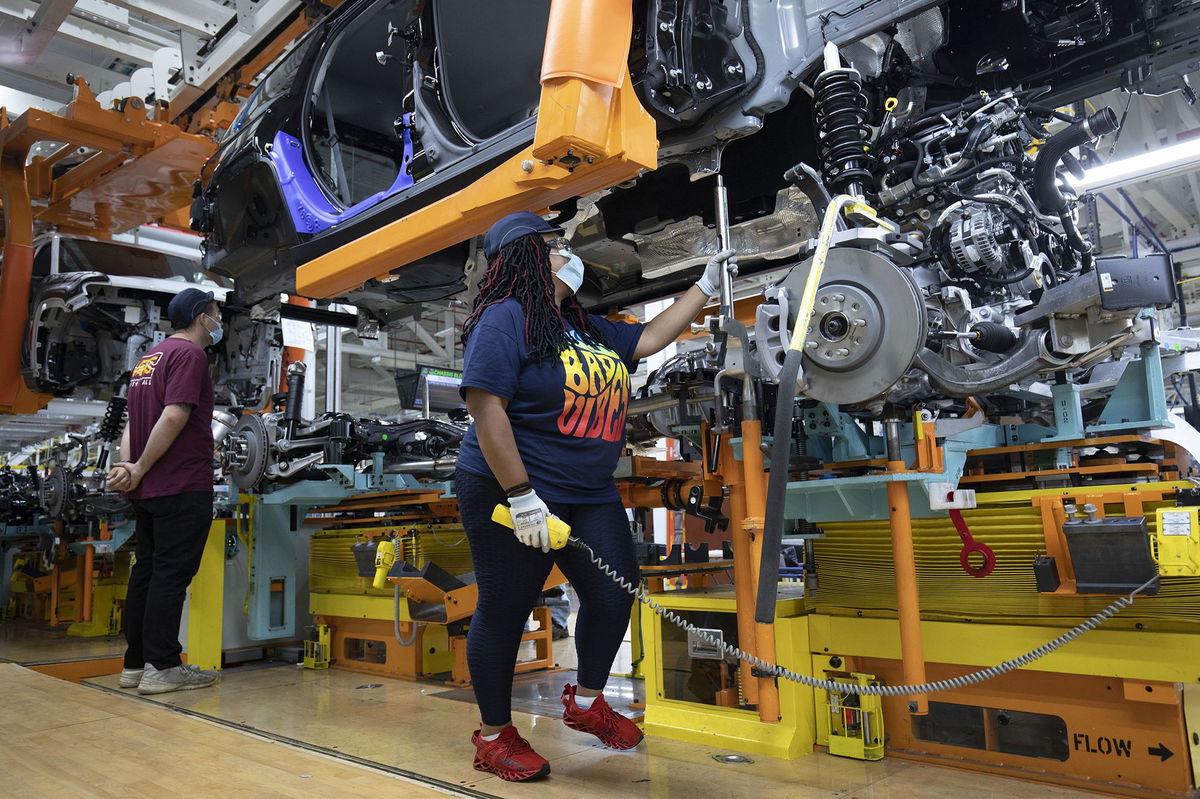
(171, 533)
(511, 575)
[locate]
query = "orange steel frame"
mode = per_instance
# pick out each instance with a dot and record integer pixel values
(1133, 503)
(405, 662)
(745, 482)
(139, 171)
(592, 133)
(1142, 716)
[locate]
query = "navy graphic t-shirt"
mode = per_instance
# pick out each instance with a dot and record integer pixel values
(567, 413)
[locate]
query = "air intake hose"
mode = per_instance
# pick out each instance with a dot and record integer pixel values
(1045, 168)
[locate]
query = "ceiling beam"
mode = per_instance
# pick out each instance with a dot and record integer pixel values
(429, 341)
(41, 27)
(52, 69)
(201, 73)
(1167, 210)
(51, 92)
(139, 47)
(198, 17)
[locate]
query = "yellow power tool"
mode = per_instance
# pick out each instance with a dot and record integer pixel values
(560, 531)
(385, 558)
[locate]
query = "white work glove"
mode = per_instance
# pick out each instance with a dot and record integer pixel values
(529, 516)
(710, 281)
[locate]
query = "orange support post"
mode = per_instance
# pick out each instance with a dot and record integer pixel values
(752, 525)
(743, 581)
(16, 276)
(908, 600)
(83, 588)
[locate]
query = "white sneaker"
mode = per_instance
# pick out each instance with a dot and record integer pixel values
(177, 678)
(130, 678)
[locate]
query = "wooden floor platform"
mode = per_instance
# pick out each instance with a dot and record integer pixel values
(63, 740)
(404, 726)
(271, 730)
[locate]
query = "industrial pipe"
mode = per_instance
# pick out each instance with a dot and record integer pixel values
(420, 466)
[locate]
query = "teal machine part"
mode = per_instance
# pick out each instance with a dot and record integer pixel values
(279, 518)
(1139, 401)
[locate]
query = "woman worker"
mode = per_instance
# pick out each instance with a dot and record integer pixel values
(548, 387)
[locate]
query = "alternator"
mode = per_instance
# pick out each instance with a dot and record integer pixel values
(973, 239)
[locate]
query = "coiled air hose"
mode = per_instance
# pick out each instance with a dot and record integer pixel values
(416, 626)
(774, 670)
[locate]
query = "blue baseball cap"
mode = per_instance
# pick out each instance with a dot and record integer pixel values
(513, 227)
(187, 305)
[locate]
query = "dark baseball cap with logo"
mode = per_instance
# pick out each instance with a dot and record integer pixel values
(187, 305)
(513, 227)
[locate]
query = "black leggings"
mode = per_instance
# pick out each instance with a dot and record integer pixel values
(511, 576)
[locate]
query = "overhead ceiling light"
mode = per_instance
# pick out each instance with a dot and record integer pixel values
(1155, 164)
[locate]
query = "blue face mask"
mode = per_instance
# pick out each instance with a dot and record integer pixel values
(571, 272)
(215, 335)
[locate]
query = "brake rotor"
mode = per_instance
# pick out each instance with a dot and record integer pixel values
(245, 457)
(868, 324)
(56, 491)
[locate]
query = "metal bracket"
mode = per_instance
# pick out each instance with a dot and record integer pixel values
(1139, 400)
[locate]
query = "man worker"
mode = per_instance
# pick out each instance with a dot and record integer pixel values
(167, 472)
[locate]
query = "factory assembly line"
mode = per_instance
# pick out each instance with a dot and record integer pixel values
(918, 484)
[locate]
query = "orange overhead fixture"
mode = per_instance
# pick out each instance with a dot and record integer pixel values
(137, 171)
(592, 133)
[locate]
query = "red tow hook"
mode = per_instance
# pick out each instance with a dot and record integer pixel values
(971, 546)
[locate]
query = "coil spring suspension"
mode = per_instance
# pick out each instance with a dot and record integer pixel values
(843, 136)
(114, 418)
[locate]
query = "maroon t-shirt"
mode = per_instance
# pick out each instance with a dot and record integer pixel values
(176, 371)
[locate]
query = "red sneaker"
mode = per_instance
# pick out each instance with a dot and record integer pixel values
(510, 757)
(600, 720)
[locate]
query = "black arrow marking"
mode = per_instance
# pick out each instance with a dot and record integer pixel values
(1161, 750)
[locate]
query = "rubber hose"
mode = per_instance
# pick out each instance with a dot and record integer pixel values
(978, 135)
(1008, 281)
(775, 670)
(768, 569)
(1074, 237)
(412, 638)
(993, 337)
(1045, 167)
